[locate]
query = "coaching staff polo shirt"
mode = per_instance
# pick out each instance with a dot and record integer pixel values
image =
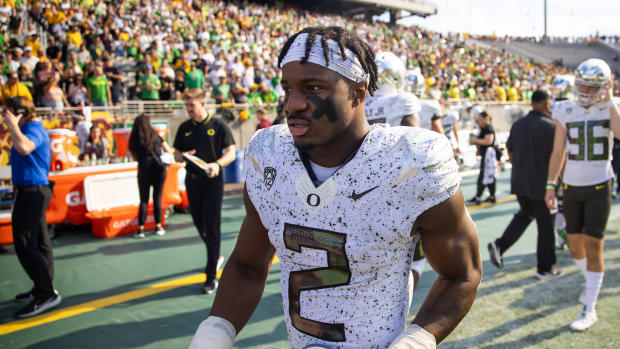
(209, 138)
(32, 169)
(531, 144)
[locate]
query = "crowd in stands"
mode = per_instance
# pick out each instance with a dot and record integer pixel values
(229, 50)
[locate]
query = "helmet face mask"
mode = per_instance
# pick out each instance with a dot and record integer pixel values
(592, 79)
(415, 82)
(391, 71)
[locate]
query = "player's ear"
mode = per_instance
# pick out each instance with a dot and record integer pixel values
(358, 93)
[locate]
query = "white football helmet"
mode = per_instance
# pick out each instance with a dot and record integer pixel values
(564, 86)
(593, 72)
(415, 81)
(390, 70)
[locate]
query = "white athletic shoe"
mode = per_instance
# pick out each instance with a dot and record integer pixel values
(584, 321)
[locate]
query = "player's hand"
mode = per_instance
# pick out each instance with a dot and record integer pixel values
(11, 119)
(550, 200)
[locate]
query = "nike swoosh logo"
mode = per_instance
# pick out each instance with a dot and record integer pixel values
(187, 134)
(356, 197)
(599, 187)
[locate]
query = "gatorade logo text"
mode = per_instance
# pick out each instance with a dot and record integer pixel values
(75, 198)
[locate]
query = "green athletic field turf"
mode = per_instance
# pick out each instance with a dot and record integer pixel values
(128, 293)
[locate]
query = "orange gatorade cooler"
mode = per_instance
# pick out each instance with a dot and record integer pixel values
(64, 149)
(161, 127)
(121, 138)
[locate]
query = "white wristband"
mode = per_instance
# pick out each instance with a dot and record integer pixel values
(214, 333)
(414, 337)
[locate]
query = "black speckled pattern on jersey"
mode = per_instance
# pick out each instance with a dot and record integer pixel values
(373, 306)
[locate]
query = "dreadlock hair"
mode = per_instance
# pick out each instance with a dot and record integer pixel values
(345, 39)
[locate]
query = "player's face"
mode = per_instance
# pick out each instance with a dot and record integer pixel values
(587, 89)
(317, 103)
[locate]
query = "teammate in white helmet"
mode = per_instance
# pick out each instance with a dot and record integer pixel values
(583, 138)
(341, 203)
(391, 104)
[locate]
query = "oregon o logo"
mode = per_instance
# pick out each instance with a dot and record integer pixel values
(313, 200)
(210, 132)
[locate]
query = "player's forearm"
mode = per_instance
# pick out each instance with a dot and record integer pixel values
(239, 292)
(446, 304)
(436, 126)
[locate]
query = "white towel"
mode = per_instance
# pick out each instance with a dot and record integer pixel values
(490, 166)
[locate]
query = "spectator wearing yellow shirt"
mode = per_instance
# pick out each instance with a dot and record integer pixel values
(33, 41)
(183, 62)
(500, 93)
(57, 17)
(454, 92)
(74, 38)
(14, 88)
(513, 94)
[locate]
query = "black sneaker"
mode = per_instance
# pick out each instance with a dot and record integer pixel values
(24, 297)
(37, 306)
(548, 275)
(160, 231)
(475, 200)
(496, 256)
(491, 199)
(209, 287)
(139, 234)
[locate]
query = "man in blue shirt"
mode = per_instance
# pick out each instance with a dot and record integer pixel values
(30, 164)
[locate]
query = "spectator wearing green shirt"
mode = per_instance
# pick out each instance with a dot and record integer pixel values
(222, 92)
(268, 95)
(98, 87)
(195, 78)
(255, 97)
(149, 85)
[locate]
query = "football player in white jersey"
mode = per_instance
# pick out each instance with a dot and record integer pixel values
(449, 123)
(430, 115)
(391, 104)
(339, 203)
(583, 139)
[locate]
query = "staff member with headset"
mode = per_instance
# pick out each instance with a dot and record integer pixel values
(206, 138)
(30, 164)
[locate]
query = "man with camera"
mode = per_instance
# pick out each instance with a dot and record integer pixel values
(30, 164)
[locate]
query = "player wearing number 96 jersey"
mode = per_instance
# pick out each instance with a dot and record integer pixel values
(583, 134)
(342, 205)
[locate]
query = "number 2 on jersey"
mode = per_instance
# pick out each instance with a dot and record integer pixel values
(337, 273)
(588, 147)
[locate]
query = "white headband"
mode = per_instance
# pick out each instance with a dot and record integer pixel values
(350, 67)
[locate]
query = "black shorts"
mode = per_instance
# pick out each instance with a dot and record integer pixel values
(586, 209)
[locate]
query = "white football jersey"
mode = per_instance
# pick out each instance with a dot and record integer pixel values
(452, 116)
(431, 109)
(588, 142)
(390, 106)
(345, 247)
